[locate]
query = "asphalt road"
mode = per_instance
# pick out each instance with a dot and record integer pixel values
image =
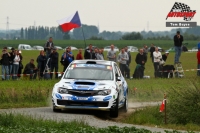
(93, 118)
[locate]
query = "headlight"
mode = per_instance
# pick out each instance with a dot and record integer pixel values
(62, 90)
(104, 92)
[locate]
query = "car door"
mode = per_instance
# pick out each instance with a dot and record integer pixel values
(119, 83)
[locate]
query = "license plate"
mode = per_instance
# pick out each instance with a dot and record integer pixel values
(82, 98)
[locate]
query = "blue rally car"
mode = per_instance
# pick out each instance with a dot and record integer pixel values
(91, 84)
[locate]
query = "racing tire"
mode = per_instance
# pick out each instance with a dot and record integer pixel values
(125, 107)
(115, 112)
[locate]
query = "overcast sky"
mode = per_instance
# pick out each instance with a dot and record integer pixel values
(111, 15)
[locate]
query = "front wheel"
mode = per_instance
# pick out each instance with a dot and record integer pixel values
(125, 107)
(114, 112)
(55, 109)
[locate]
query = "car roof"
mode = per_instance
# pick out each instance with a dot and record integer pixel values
(102, 62)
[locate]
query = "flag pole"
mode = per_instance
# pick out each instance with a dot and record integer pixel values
(83, 36)
(165, 109)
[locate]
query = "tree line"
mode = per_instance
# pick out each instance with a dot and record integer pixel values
(91, 32)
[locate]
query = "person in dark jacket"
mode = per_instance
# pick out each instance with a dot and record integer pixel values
(5, 56)
(49, 46)
(164, 56)
(152, 49)
(41, 60)
(54, 62)
(141, 59)
(31, 69)
(178, 39)
(89, 53)
(12, 56)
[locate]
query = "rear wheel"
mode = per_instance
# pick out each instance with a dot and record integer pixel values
(115, 111)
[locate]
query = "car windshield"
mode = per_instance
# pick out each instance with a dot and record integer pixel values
(89, 71)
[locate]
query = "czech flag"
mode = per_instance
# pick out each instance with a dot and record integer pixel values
(71, 22)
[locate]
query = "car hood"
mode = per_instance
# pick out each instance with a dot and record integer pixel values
(86, 84)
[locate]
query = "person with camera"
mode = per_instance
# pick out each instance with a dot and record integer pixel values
(157, 57)
(178, 39)
(54, 62)
(15, 67)
(5, 56)
(41, 60)
(49, 46)
(31, 69)
(66, 58)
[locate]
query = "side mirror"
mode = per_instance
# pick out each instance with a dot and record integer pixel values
(118, 79)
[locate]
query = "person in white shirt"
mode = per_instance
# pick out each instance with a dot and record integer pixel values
(15, 67)
(157, 56)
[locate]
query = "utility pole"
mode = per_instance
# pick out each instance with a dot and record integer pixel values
(7, 28)
(147, 26)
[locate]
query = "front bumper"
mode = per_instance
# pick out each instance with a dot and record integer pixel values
(66, 101)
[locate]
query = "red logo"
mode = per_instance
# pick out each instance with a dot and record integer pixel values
(181, 10)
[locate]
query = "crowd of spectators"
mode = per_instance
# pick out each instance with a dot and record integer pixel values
(48, 60)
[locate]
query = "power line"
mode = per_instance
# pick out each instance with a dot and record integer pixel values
(7, 28)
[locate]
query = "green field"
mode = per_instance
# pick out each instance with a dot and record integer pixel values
(37, 93)
(165, 44)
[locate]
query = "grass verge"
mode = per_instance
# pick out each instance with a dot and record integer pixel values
(18, 123)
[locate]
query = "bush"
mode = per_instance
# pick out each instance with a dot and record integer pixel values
(184, 104)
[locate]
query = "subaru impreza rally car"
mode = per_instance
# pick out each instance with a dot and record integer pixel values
(91, 84)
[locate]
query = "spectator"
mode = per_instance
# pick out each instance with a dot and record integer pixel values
(5, 64)
(31, 69)
(102, 50)
(54, 62)
(157, 56)
(49, 46)
(129, 55)
(141, 59)
(184, 48)
(198, 63)
(89, 53)
(152, 49)
(12, 56)
(111, 55)
(101, 57)
(41, 60)
(20, 64)
(145, 50)
(15, 67)
(66, 59)
(164, 56)
(122, 59)
(70, 53)
(178, 39)
(79, 55)
(96, 52)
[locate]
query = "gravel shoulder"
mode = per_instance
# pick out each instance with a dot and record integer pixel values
(91, 117)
